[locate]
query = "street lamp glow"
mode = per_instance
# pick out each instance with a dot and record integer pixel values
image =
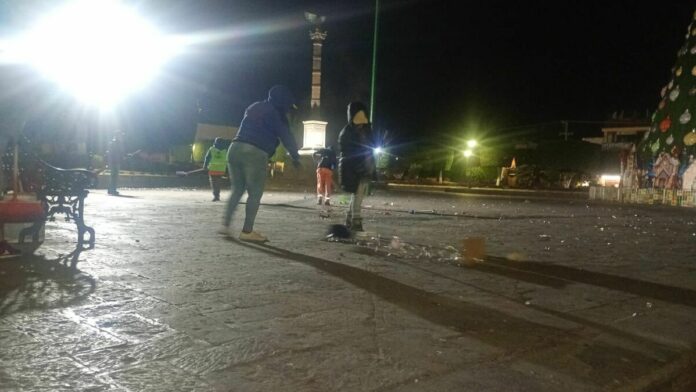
(471, 143)
(99, 50)
(378, 150)
(468, 153)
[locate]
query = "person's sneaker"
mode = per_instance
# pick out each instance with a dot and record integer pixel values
(327, 202)
(319, 200)
(224, 230)
(252, 237)
(216, 199)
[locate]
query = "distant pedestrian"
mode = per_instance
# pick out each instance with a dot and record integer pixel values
(263, 125)
(216, 163)
(356, 163)
(114, 155)
(326, 165)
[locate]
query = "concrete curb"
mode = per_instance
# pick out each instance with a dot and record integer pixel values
(578, 195)
(676, 376)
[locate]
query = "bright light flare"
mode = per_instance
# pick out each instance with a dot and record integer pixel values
(99, 50)
(378, 150)
(471, 143)
(468, 153)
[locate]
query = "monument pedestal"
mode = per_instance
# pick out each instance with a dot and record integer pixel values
(314, 136)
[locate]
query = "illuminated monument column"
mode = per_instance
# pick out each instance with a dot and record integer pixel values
(315, 129)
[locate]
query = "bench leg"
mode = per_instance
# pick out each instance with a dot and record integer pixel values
(81, 227)
(33, 231)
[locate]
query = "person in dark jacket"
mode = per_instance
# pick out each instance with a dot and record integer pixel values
(216, 163)
(326, 165)
(263, 125)
(356, 163)
(114, 156)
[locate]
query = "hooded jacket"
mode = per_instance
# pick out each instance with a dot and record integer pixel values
(265, 123)
(355, 143)
(326, 158)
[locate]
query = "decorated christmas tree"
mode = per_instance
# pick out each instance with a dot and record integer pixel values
(670, 145)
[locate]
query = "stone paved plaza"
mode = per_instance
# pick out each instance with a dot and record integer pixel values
(571, 296)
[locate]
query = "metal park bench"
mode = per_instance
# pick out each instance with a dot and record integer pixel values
(60, 191)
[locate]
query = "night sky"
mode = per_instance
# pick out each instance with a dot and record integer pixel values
(489, 68)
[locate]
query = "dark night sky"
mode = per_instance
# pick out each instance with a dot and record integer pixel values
(489, 66)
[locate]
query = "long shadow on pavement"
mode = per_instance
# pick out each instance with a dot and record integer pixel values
(556, 274)
(32, 282)
(442, 310)
(519, 337)
(462, 316)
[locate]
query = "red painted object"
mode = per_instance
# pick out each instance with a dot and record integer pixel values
(20, 211)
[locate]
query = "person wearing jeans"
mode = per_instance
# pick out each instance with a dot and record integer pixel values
(356, 163)
(263, 125)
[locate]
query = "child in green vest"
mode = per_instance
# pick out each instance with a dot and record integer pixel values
(216, 164)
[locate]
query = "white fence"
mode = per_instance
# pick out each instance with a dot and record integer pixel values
(671, 197)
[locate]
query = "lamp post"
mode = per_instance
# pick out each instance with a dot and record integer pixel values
(374, 62)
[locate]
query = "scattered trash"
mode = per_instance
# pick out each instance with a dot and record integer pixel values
(474, 249)
(338, 233)
(516, 256)
(634, 315)
(648, 305)
(527, 303)
(544, 237)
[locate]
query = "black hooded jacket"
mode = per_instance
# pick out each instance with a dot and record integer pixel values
(355, 144)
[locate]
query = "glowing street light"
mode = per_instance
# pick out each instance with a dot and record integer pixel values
(471, 143)
(99, 50)
(468, 153)
(378, 150)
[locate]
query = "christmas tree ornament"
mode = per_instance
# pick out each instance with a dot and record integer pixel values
(664, 89)
(690, 138)
(674, 94)
(670, 84)
(665, 124)
(669, 140)
(689, 176)
(685, 117)
(655, 146)
(662, 104)
(679, 71)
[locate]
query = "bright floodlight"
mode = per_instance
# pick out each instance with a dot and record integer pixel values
(471, 143)
(378, 150)
(100, 50)
(467, 153)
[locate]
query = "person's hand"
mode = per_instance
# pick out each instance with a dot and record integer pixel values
(296, 164)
